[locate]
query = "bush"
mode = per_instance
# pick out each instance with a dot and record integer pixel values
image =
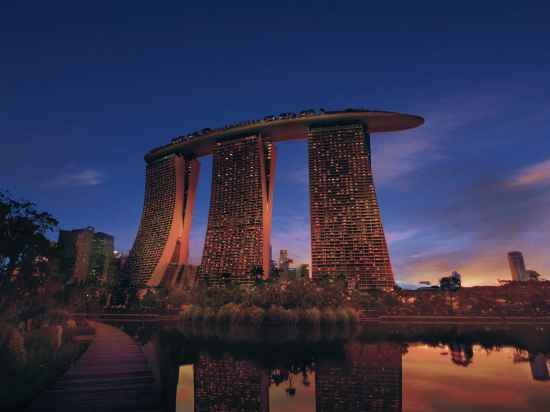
(186, 313)
(226, 314)
(278, 315)
(196, 314)
(353, 315)
(209, 315)
(12, 345)
(255, 316)
(341, 317)
(311, 317)
(328, 317)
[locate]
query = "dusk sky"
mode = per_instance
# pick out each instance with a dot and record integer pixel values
(87, 88)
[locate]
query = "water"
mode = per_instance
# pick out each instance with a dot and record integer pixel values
(460, 370)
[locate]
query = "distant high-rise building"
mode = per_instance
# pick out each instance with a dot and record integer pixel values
(539, 367)
(85, 254)
(103, 246)
(283, 260)
(517, 266)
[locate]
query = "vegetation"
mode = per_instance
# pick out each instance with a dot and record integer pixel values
(24, 251)
(31, 360)
(288, 302)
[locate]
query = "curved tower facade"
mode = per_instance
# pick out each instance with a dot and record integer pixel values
(161, 247)
(347, 237)
(239, 220)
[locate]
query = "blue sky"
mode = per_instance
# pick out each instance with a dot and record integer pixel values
(88, 87)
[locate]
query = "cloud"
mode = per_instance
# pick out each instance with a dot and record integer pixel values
(82, 178)
(399, 235)
(534, 175)
(397, 155)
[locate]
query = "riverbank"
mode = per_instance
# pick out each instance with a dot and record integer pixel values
(32, 361)
(254, 316)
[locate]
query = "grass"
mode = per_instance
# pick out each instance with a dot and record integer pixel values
(232, 314)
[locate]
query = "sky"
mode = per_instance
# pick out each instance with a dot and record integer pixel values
(87, 88)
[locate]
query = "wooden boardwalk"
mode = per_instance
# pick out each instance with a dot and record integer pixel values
(112, 375)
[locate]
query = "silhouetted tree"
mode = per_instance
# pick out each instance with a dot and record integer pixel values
(24, 248)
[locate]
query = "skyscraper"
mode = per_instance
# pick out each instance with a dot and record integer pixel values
(103, 246)
(283, 260)
(162, 242)
(85, 254)
(517, 266)
(347, 237)
(239, 222)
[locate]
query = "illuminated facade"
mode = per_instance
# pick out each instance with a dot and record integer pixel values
(371, 380)
(161, 247)
(346, 229)
(239, 220)
(347, 237)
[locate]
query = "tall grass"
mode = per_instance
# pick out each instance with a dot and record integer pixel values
(232, 314)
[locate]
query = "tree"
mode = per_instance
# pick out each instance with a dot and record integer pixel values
(24, 248)
(257, 274)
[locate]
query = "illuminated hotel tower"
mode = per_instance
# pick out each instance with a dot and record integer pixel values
(371, 380)
(161, 247)
(347, 236)
(239, 220)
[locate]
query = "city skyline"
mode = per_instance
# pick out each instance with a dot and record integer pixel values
(104, 113)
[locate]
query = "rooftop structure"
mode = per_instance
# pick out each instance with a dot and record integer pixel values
(285, 126)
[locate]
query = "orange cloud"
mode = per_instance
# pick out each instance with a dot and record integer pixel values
(537, 174)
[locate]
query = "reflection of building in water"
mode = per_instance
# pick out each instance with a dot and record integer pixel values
(538, 364)
(462, 353)
(227, 384)
(185, 397)
(370, 380)
(539, 367)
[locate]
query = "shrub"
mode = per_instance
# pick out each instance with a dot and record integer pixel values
(196, 314)
(226, 313)
(12, 345)
(311, 317)
(255, 316)
(353, 315)
(209, 315)
(278, 315)
(186, 313)
(341, 317)
(328, 317)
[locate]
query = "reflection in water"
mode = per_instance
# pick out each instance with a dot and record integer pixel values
(539, 367)
(435, 371)
(462, 354)
(185, 395)
(227, 384)
(368, 379)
